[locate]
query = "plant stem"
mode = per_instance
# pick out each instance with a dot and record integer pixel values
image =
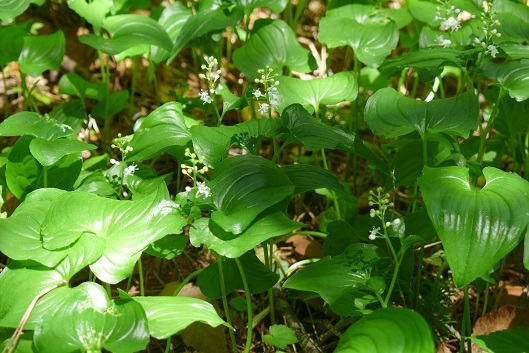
(140, 270)
(6, 102)
(465, 327)
(335, 199)
(186, 280)
(484, 135)
(220, 258)
(248, 306)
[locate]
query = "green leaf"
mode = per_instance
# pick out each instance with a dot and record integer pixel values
(513, 117)
(25, 174)
(275, 6)
(9, 9)
(31, 124)
(334, 89)
(258, 276)
(307, 177)
(71, 113)
(244, 186)
(117, 101)
(167, 316)
(395, 330)
(340, 235)
(280, 336)
(48, 153)
(315, 135)
(409, 161)
(168, 247)
(273, 44)
(85, 319)
(390, 114)
(128, 227)
(272, 224)
(512, 76)
(429, 63)
(94, 12)
(505, 341)
(128, 31)
(172, 19)
(162, 129)
(73, 84)
(372, 36)
(13, 41)
(206, 20)
(345, 275)
(230, 101)
(41, 53)
(478, 227)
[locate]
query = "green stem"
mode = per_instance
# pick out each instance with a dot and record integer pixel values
(465, 327)
(186, 281)
(270, 256)
(6, 97)
(248, 306)
(419, 275)
(140, 270)
(335, 198)
(225, 301)
(398, 261)
(109, 289)
(486, 300)
(311, 232)
(484, 135)
(45, 176)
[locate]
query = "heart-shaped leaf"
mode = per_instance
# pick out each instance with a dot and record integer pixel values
(50, 152)
(13, 40)
(395, 330)
(73, 84)
(94, 12)
(128, 31)
(307, 177)
(513, 76)
(162, 311)
(244, 186)
(41, 53)
(164, 128)
(390, 114)
(275, 45)
(477, 227)
(274, 223)
(9, 9)
(311, 93)
(371, 35)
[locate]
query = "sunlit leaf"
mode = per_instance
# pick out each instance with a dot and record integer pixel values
(115, 103)
(372, 36)
(29, 123)
(478, 227)
(276, 6)
(396, 330)
(280, 336)
(73, 84)
(41, 53)
(505, 341)
(167, 316)
(513, 76)
(9, 9)
(94, 12)
(13, 41)
(390, 114)
(273, 44)
(337, 88)
(50, 152)
(172, 19)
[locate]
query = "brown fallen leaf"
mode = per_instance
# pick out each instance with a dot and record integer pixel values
(305, 246)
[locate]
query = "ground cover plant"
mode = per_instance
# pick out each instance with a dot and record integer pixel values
(264, 176)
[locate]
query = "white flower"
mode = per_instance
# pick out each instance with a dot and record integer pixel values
(130, 169)
(493, 50)
(396, 221)
(205, 97)
(203, 189)
(273, 97)
(373, 233)
(257, 94)
(188, 188)
(263, 109)
(113, 161)
(451, 24)
(443, 41)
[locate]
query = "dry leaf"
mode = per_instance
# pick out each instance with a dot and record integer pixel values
(305, 247)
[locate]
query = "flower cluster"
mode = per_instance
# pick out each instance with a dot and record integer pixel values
(202, 188)
(130, 169)
(211, 77)
(443, 41)
(382, 201)
(269, 80)
(490, 31)
(448, 15)
(193, 170)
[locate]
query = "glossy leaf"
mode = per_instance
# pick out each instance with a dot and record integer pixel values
(73, 84)
(513, 76)
(41, 53)
(315, 135)
(205, 231)
(244, 186)
(94, 12)
(164, 128)
(307, 177)
(513, 117)
(28, 123)
(273, 44)
(390, 114)
(258, 276)
(128, 227)
(126, 32)
(167, 316)
(117, 101)
(172, 20)
(85, 319)
(505, 341)
(13, 40)
(396, 330)
(275, 6)
(9, 9)
(334, 89)
(167, 247)
(429, 63)
(371, 36)
(206, 20)
(25, 174)
(409, 161)
(48, 153)
(478, 227)
(340, 276)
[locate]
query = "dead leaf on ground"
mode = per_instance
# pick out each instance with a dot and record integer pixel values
(305, 246)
